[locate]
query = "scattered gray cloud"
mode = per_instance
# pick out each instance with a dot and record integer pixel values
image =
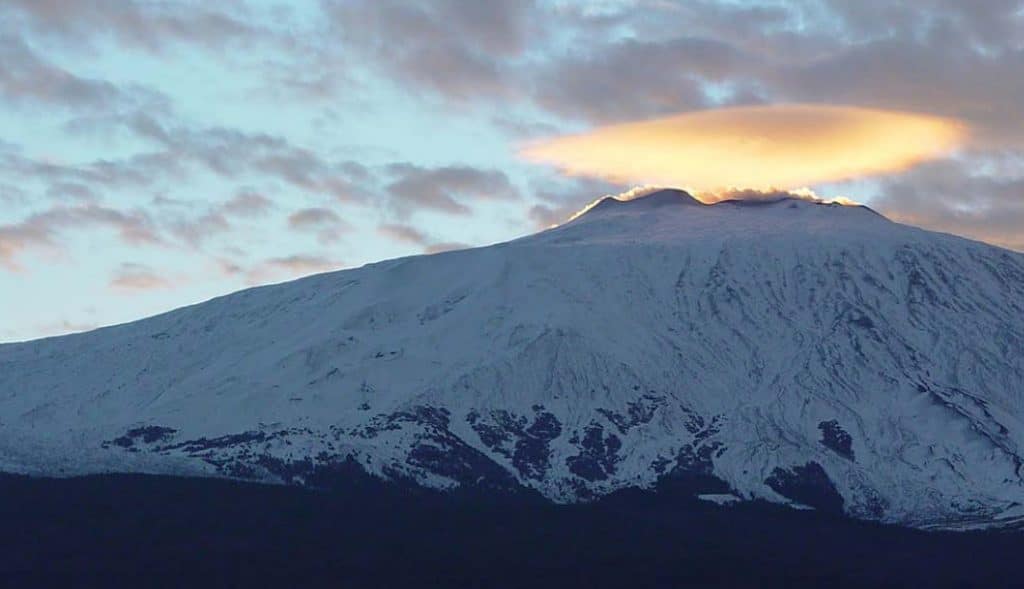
(282, 268)
(635, 79)
(445, 246)
(27, 79)
(560, 200)
(139, 171)
(247, 203)
(71, 191)
(195, 231)
(403, 233)
(42, 230)
(325, 223)
(134, 277)
(960, 196)
(458, 49)
(138, 24)
(313, 218)
(12, 195)
(30, 81)
(413, 236)
(445, 189)
(234, 154)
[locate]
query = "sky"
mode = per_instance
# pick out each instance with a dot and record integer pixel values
(155, 154)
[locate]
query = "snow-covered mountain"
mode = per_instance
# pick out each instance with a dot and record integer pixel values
(792, 351)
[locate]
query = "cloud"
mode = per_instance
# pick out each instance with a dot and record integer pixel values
(626, 61)
(42, 230)
(286, 267)
(411, 235)
(71, 191)
(247, 204)
(445, 246)
(779, 146)
(197, 230)
(133, 277)
(456, 48)
(29, 81)
(313, 218)
(445, 188)
(405, 233)
(768, 195)
(231, 153)
(10, 194)
(138, 24)
(961, 196)
(636, 78)
(940, 76)
(141, 170)
(560, 200)
(522, 68)
(182, 151)
(324, 222)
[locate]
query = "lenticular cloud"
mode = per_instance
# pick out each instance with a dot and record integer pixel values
(763, 147)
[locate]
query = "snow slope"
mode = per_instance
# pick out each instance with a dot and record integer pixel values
(807, 353)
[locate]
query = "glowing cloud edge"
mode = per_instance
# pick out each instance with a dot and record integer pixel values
(766, 148)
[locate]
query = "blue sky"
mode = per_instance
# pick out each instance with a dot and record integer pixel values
(156, 154)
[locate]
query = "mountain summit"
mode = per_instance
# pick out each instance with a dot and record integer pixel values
(811, 354)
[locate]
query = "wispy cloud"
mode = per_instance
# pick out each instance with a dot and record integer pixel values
(42, 230)
(194, 231)
(232, 153)
(133, 277)
(404, 233)
(457, 49)
(138, 24)
(323, 222)
(446, 189)
(958, 196)
(561, 199)
(285, 267)
(247, 204)
(445, 246)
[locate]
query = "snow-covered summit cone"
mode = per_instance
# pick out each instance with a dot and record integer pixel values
(788, 350)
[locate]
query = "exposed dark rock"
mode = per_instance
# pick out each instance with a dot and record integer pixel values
(499, 431)
(863, 321)
(660, 464)
(694, 470)
(452, 458)
(439, 451)
(422, 415)
(598, 454)
(532, 456)
(639, 412)
(808, 484)
(436, 311)
(835, 438)
(148, 434)
(200, 444)
(513, 436)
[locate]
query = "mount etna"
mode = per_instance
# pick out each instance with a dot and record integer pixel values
(781, 360)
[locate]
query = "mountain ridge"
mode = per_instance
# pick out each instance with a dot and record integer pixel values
(801, 353)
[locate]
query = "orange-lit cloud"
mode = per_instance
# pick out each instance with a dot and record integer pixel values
(763, 147)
